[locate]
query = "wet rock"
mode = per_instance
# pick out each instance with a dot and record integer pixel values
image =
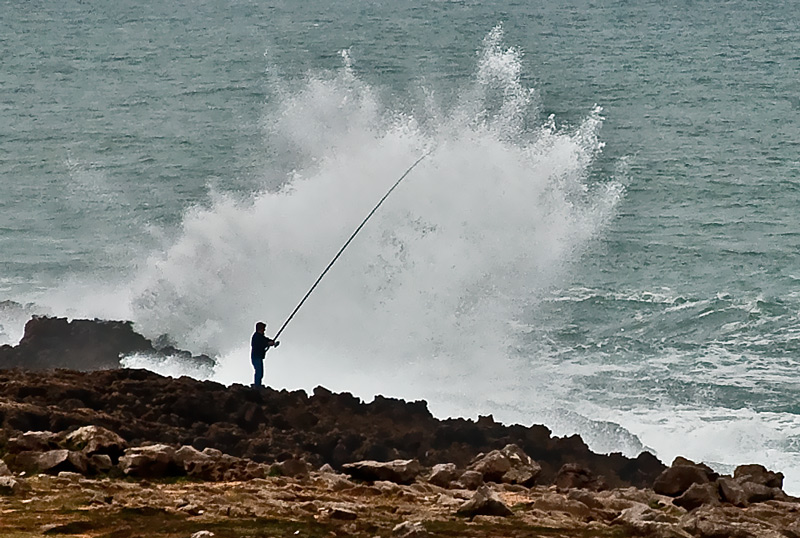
(485, 502)
(398, 471)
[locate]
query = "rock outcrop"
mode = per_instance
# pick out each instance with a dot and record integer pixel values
(269, 426)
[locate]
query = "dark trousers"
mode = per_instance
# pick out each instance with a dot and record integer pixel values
(258, 364)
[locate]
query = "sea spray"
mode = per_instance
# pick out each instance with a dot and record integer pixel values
(424, 302)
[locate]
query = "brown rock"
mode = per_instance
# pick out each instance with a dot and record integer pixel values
(9, 485)
(698, 495)
(52, 461)
(32, 442)
(485, 502)
(550, 502)
(407, 529)
(677, 479)
(576, 476)
(470, 480)
(443, 474)
(758, 474)
(732, 491)
(149, 461)
(96, 440)
(398, 471)
(510, 465)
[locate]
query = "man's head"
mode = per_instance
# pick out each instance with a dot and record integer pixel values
(261, 327)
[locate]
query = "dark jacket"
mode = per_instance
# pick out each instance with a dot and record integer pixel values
(259, 344)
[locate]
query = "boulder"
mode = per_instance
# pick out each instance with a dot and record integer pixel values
(4, 469)
(678, 478)
(149, 461)
(32, 442)
(550, 502)
(485, 502)
(470, 480)
(644, 521)
(96, 440)
(731, 491)
(576, 476)
(757, 493)
(443, 474)
(758, 474)
(52, 461)
(398, 471)
(697, 495)
(509, 465)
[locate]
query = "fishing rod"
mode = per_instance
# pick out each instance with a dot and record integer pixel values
(322, 275)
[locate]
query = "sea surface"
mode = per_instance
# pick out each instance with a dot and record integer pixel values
(603, 235)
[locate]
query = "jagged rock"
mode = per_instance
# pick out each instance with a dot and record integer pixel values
(710, 473)
(96, 440)
(576, 476)
(758, 474)
(550, 502)
(9, 486)
(732, 491)
(510, 465)
(399, 471)
(148, 461)
(697, 495)
(470, 480)
(485, 502)
(444, 473)
(143, 407)
(52, 461)
(678, 478)
(32, 442)
(4, 469)
(407, 529)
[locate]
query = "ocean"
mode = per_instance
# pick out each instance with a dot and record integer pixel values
(602, 238)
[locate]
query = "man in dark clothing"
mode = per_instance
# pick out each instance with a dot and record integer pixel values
(258, 350)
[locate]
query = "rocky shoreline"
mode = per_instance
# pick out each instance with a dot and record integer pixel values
(122, 453)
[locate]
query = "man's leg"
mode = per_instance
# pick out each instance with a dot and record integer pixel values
(258, 364)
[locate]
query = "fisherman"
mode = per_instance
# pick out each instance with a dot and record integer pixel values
(258, 350)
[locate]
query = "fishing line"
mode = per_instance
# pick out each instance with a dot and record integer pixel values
(322, 275)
